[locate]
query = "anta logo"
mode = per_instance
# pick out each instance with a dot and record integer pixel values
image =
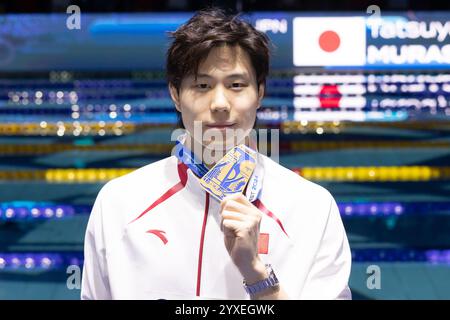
(159, 234)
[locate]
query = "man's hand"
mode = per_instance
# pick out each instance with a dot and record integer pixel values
(240, 223)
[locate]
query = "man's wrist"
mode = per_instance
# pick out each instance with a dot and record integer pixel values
(254, 273)
(268, 286)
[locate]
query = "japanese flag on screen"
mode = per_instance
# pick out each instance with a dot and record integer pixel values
(334, 41)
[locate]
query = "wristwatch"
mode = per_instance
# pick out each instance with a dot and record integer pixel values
(270, 282)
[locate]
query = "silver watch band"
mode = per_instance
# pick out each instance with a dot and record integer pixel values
(260, 286)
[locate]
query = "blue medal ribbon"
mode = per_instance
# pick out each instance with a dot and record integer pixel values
(188, 158)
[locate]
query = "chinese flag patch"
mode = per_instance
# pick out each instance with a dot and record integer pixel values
(263, 243)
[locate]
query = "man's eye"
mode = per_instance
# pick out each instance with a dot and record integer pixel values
(202, 85)
(237, 85)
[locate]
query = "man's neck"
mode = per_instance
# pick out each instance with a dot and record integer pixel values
(205, 155)
(199, 151)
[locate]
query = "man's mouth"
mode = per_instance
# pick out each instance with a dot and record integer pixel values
(220, 126)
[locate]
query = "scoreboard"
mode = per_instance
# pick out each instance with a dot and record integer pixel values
(325, 67)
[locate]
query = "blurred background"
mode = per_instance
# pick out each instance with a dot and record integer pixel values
(360, 91)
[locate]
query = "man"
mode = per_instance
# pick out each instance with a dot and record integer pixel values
(157, 234)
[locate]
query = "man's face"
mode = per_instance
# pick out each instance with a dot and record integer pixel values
(224, 97)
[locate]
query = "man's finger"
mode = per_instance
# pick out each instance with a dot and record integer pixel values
(233, 215)
(238, 197)
(230, 215)
(233, 205)
(232, 226)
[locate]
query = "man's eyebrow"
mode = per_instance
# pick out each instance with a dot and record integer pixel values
(233, 75)
(203, 75)
(238, 75)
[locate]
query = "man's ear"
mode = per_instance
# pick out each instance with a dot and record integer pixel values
(175, 96)
(261, 89)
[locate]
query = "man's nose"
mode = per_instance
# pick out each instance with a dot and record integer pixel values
(219, 101)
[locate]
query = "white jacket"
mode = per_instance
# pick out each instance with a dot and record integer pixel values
(155, 234)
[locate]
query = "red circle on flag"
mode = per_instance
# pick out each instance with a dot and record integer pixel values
(329, 41)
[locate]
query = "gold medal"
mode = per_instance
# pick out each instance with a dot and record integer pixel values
(231, 174)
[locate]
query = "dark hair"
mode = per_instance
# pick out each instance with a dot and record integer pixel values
(207, 29)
